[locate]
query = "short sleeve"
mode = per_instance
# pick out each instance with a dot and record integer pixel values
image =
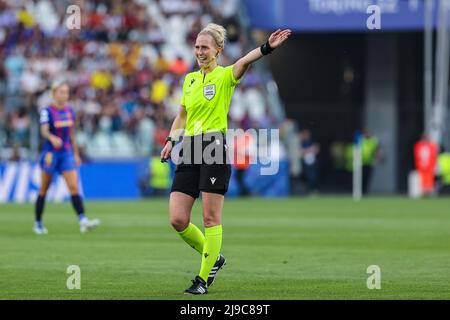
(182, 102)
(230, 78)
(44, 116)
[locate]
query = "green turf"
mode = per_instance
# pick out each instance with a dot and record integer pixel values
(276, 249)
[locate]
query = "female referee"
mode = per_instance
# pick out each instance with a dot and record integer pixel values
(60, 155)
(204, 107)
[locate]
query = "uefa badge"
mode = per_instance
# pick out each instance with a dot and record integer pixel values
(209, 91)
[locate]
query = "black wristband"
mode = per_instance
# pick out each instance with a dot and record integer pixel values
(266, 48)
(171, 140)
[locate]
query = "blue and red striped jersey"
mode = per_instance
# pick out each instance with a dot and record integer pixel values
(61, 123)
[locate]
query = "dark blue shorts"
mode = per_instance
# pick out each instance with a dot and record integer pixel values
(57, 162)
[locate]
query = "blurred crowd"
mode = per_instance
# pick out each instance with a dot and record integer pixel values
(125, 68)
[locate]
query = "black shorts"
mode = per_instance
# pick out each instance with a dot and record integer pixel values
(191, 177)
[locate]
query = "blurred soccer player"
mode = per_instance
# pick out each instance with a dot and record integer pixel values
(205, 102)
(425, 158)
(60, 155)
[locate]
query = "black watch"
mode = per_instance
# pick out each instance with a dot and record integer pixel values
(169, 138)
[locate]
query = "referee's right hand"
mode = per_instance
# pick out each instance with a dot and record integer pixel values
(165, 153)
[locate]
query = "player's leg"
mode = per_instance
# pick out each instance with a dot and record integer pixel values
(214, 180)
(46, 180)
(182, 197)
(185, 189)
(48, 161)
(428, 182)
(212, 204)
(71, 178)
(180, 207)
(212, 211)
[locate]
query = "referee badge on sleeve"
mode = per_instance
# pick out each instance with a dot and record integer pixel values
(209, 91)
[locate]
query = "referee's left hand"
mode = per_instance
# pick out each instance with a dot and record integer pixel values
(277, 38)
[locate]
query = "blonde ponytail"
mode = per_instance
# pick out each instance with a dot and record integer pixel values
(217, 32)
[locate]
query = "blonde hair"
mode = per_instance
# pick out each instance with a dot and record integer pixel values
(57, 84)
(217, 32)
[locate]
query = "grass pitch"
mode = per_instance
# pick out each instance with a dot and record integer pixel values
(294, 248)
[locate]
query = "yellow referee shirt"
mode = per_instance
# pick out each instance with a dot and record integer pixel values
(207, 100)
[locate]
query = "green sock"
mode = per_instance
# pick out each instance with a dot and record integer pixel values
(193, 237)
(211, 249)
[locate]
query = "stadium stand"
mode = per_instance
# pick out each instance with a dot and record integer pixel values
(125, 67)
